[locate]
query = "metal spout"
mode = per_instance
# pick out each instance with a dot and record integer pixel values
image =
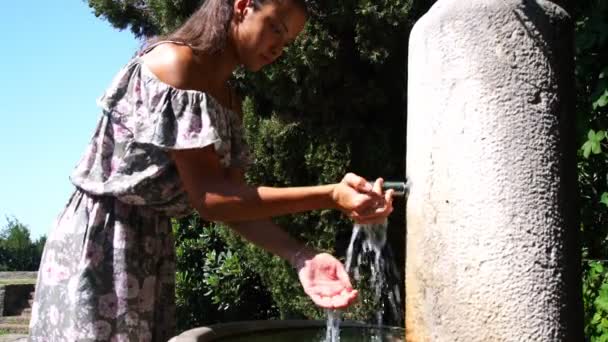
(400, 188)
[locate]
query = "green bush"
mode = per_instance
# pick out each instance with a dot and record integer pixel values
(592, 114)
(595, 297)
(213, 284)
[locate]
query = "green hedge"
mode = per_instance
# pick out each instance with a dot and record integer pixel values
(591, 18)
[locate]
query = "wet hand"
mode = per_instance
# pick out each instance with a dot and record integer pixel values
(362, 201)
(381, 207)
(326, 282)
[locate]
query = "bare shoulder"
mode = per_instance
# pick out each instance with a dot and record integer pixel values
(172, 64)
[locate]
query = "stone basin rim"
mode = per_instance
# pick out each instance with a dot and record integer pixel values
(220, 330)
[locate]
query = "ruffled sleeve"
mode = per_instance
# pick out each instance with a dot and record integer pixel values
(158, 114)
(144, 118)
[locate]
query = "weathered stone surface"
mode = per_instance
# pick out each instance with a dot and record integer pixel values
(492, 249)
(18, 275)
(13, 338)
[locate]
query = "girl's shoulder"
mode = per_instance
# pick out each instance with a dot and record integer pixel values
(173, 64)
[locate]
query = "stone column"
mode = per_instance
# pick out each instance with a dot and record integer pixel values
(492, 227)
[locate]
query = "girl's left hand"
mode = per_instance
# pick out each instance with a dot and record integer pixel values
(361, 201)
(381, 207)
(326, 282)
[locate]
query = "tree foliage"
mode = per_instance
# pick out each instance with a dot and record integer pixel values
(591, 19)
(592, 114)
(17, 251)
(213, 283)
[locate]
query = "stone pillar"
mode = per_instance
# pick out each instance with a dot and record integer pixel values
(492, 233)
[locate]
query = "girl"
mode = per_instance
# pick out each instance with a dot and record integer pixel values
(169, 141)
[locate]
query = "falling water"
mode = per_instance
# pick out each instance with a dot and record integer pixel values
(373, 244)
(333, 326)
(372, 240)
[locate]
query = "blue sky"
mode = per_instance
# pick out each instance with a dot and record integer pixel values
(56, 60)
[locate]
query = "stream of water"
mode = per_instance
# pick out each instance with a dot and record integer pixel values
(366, 248)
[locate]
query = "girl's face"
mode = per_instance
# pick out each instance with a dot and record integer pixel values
(259, 35)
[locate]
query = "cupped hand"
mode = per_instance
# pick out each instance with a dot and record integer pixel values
(326, 282)
(380, 209)
(363, 202)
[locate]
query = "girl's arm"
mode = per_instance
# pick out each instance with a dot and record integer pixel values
(322, 276)
(269, 236)
(217, 196)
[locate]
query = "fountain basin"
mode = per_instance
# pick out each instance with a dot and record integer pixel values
(288, 330)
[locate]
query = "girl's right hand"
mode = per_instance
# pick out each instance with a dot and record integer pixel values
(326, 282)
(362, 201)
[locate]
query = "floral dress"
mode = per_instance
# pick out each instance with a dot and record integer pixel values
(108, 268)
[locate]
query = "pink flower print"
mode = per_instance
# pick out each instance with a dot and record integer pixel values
(122, 306)
(188, 138)
(54, 315)
(127, 286)
(123, 107)
(150, 245)
(121, 133)
(122, 237)
(114, 164)
(146, 294)
(108, 305)
(50, 255)
(71, 334)
(144, 332)
(87, 332)
(47, 272)
(54, 273)
(94, 254)
(132, 318)
(120, 338)
(194, 136)
(102, 330)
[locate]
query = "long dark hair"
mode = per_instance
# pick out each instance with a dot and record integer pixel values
(206, 31)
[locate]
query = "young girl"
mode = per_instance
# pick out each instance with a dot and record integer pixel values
(169, 141)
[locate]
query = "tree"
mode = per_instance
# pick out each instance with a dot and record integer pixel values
(145, 18)
(17, 251)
